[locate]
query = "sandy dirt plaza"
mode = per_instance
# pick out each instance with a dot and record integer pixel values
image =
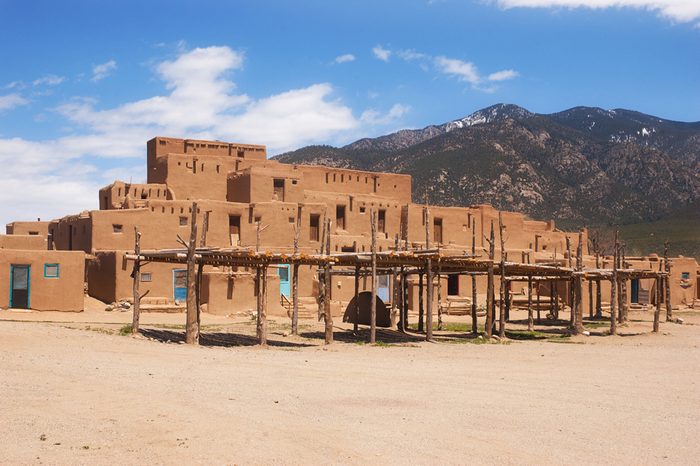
(75, 391)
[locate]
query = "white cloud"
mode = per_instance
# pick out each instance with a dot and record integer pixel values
(49, 80)
(394, 114)
(10, 101)
(381, 53)
(676, 10)
(411, 55)
(464, 71)
(101, 71)
(348, 57)
(51, 178)
(503, 75)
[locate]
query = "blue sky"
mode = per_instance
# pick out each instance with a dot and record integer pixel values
(84, 84)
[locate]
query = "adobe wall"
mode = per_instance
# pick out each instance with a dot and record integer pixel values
(38, 228)
(72, 233)
(227, 293)
(20, 241)
(125, 195)
(63, 293)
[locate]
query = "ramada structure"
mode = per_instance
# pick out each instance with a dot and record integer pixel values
(220, 227)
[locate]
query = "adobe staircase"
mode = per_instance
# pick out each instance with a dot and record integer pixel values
(308, 307)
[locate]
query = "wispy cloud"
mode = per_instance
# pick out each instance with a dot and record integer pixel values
(101, 71)
(462, 70)
(682, 11)
(381, 53)
(201, 102)
(348, 57)
(10, 101)
(49, 80)
(503, 75)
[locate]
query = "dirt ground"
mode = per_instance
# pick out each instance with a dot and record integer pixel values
(75, 391)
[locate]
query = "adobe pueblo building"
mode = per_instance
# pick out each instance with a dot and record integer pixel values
(246, 202)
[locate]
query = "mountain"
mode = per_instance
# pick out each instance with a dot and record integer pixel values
(582, 166)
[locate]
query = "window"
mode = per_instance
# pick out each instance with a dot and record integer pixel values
(685, 275)
(278, 189)
(51, 270)
(117, 228)
(234, 229)
(33, 233)
(240, 153)
(340, 216)
(183, 221)
(362, 209)
(314, 220)
(381, 221)
(146, 277)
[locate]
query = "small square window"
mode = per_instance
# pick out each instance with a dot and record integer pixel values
(362, 209)
(51, 270)
(685, 275)
(183, 221)
(117, 228)
(146, 277)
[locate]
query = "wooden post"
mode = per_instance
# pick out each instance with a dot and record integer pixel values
(328, 318)
(598, 292)
(657, 310)
(577, 283)
(295, 276)
(262, 309)
(590, 299)
(192, 322)
(539, 317)
(624, 308)
(570, 285)
(373, 304)
(394, 289)
(322, 273)
(355, 325)
(490, 305)
(475, 327)
(613, 288)
(205, 229)
(502, 307)
(556, 299)
(136, 274)
(530, 323)
(420, 301)
(429, 300)
(667, 284)
(551, 297)
(439, 291)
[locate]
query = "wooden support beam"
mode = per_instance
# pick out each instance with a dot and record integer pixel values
(327, 317)
(502, 307)
(261, 328)
(355, 325)
(429, 300)
(295, 276)
(421, 307)
(667, 284)
(439, 292)
(490, 304)
(530, 322)
(577, 309)
(475, 327)
(136, 275)
(373, 304)
(192, 322)
(657, 310)
(613, 289)
(205, 229)
(539, 317)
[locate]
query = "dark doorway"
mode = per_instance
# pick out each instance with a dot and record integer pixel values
(634, 290)
(340, 217)
(19, 286)
(314, 220)
(453, 285)
(234, 229)
(381, 221)
(437, 230)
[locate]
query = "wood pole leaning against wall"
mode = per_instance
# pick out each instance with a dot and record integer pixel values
(328, 318)
(136, 274)
(530, 323)
(373, 304)
(475, 327)
(192, 322)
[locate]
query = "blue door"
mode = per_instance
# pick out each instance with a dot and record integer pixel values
(383, 288)
(635, 290)
(180, 285)
(283, 272)
(19, 286)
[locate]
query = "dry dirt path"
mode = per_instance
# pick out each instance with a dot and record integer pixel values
(73, 396)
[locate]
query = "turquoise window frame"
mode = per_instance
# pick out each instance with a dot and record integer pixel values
(58, 270)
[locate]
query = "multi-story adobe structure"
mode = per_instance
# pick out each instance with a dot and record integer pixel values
(238, 188)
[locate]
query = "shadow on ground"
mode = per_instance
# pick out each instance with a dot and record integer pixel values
(220, 339)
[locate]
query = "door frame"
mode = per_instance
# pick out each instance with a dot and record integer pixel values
(288, 281)
(29, 282)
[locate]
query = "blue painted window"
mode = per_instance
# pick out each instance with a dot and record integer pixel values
(685, 275)
(51, 270)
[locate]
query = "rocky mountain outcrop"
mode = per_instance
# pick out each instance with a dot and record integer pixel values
(582, 166)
